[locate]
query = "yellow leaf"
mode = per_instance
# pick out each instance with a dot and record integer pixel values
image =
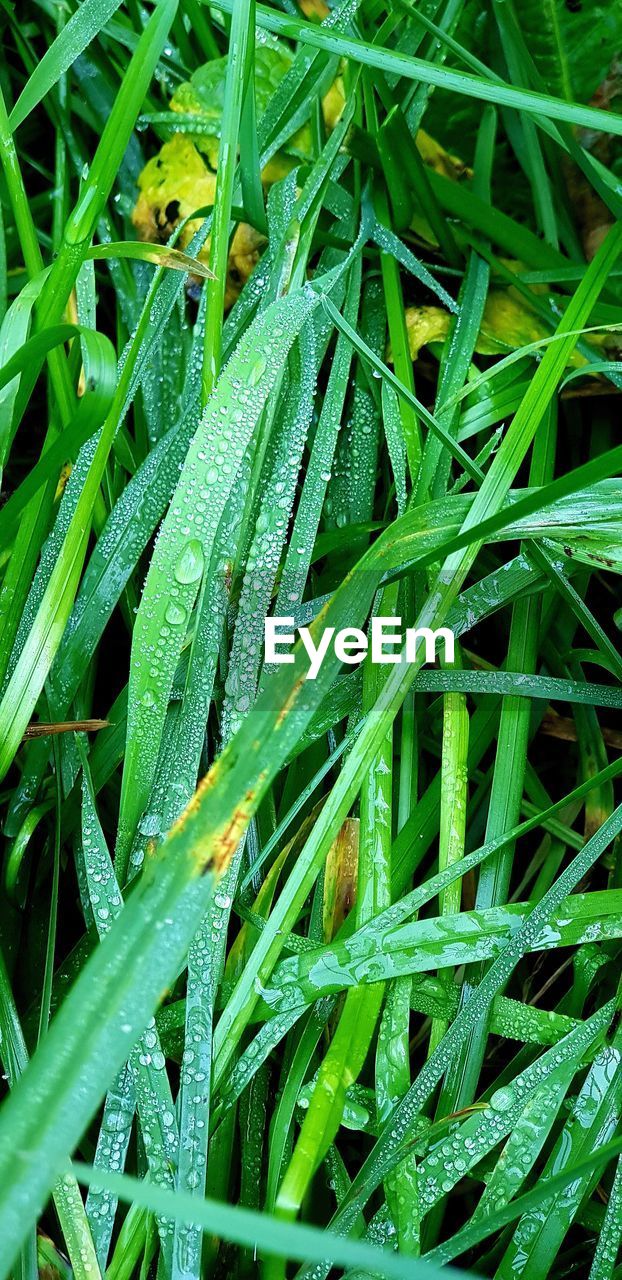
(333, 103)
(340, 878)
(425, 325)
(315, 9)
(508, 323)
(434, 155)
(172, 185)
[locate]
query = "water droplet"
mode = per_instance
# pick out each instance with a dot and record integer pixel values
(189, 566)
(175, 614)
(502, 1100)
(257, 371)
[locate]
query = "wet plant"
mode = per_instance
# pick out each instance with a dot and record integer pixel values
(310, 310)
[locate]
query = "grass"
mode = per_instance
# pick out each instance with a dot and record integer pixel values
(310, 309)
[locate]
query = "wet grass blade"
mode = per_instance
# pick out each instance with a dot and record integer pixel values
(309, 310)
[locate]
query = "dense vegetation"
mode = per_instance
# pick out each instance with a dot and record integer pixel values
(310, 309)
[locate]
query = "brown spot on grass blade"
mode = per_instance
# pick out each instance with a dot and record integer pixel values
(226, 841)
(289, 702)
(179, 261)
(340, 878)
(42, 730)
(214, 850)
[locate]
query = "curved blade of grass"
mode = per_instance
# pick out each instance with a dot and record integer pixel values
(28, 676)
(388, 1148)
(388, 60)
(67, 1198)
(593, 1121)
(82, 27)
(518, 684)
(99, 377)
(186, 541)
(486, 1128)
(78, 232)
(161, 255)
(147, 1063)
(426, 944)
(608, 1245)
(260, 1231)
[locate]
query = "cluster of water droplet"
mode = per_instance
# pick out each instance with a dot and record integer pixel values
(147, 1062)
(468, 1143)
(110, 1153)
(187, 537)
(51, 551)
(270, 533)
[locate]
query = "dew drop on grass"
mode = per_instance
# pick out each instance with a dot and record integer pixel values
(175, 614)
(502, 1100)
(257, 370)
(189, 565)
